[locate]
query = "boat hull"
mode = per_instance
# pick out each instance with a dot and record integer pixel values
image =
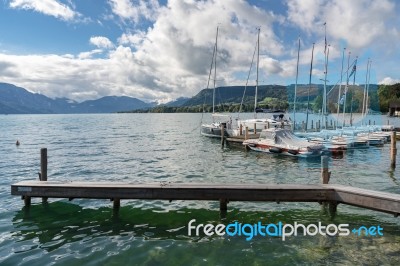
(212, 131)
(283, 151)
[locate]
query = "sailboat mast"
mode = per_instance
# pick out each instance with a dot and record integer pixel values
(346, 88)
(325, 75)
(215, 68)
(258, 61)
(324, 111)
(309, 88)
(369, 76)
(340, 87)
(365, 91)
(352, 95)
(295, 87)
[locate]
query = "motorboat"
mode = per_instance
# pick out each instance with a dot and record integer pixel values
(283, 141)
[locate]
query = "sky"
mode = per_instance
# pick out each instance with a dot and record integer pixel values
(161, 50)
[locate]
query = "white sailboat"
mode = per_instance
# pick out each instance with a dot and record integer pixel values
(258, 124)
(214, 129)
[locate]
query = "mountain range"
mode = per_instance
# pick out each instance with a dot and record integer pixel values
(17, 100)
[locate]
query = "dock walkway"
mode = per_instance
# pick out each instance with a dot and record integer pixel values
(330, 193)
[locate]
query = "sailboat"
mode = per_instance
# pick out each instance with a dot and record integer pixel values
(218, 120)
(258, 124)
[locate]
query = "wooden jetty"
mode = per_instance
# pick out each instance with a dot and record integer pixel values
(333, 194)
(329, 195)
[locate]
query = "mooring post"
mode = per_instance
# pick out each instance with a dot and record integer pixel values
(325, 174)
(240, 130)
(246, 133)
(255, 128)
(222, 135)
(43, 164)
(393, 150)
(312, 124)
(43, 168)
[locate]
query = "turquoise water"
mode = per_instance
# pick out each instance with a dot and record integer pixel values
(169, 148)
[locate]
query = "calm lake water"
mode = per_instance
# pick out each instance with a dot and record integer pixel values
(169, 148)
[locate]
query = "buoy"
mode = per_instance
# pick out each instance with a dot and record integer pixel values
(17, 143)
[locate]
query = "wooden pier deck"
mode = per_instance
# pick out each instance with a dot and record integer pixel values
(333, 194)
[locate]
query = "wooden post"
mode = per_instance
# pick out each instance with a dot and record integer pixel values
(325, 174)
(222, 136)
(246, 133)
(223, 205)
(393, 150)
(312, 124)
(27, 201)
(116, 203)
(268, 124)
(241, 130)
(43, 168)
(255, 128)
(331, 123)
(43, 164)
(303, 126)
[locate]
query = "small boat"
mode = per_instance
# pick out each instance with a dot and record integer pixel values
(283, 141)
(213, 129)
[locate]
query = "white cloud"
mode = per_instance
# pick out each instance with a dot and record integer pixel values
(389, 81)
(48, 7)
(359, 22)
(134, 10)
(87, 55)
(101, 42)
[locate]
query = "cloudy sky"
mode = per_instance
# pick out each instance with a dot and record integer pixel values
(161, 50)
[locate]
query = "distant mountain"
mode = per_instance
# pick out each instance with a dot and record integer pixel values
(234, 94)
(17, 100)
(110, 104)
(178, 102)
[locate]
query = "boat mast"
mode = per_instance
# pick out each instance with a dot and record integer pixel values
(324, 103)
(346, 88)
(309, 88)
(295, 88)
(258, 61)
(215, 68)
(352, 95)
(340, 88)
(365, 91)
(326, 73)
(369, 76)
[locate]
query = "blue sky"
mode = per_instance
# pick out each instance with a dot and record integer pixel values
(161, 50)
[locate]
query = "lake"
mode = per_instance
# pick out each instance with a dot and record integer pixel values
(169, 148)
